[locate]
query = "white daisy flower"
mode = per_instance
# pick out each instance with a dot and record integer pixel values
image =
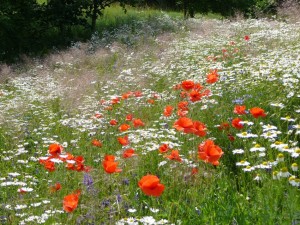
(284, 172)
(238, 151)
(242, 163)
(294, 167)
(246, 135)
(257, 148)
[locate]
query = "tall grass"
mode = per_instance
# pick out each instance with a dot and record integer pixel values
(114, 16)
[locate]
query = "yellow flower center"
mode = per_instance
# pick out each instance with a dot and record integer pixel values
(257, 146)
(284, 170)
(280, 155)
(292, 178)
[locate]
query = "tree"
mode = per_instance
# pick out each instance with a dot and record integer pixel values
(224, 7)
(64, 14)
(190, 7)
(19, 23)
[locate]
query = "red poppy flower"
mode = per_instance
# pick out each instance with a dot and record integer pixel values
(128, 153)
(174, 156)
(115, 100)
(96, 143)
(187, 84)
(138, 123)
(224, 126)
(69, 156)
(126, 95)
(209, 152)
(230, 137)
(124, 127)
(55, 187)
(199, 128)
(70, 166)
(49, 165)
(184, 124)
(240, 109)
(198, 86)
(113, 122)
(79, 166)
(246, 38)
(168, 110)
(236, 123)
(183, 106)
(123, 140)
(70, 202)
(55, 149)
(151, 186)
(177, 87)
(98, 115)
(163, 148)
(79, 159)
(194, 171)
(212, 77)
(109, 165)
(257, 112)
(183, 94)
(138, 94)
(109, 158)
(151, 101)
(129, 117)
(206, 93)
(195, 96)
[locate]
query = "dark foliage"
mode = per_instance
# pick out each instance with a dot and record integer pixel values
(27, 27)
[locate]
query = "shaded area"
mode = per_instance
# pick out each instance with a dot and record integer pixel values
(34, 28)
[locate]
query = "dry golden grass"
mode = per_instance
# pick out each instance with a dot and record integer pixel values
(77, 71)
(289, 10)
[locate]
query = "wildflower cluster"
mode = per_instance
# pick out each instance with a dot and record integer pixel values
(163, 138)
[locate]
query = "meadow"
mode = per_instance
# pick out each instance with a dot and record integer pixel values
(162, 121)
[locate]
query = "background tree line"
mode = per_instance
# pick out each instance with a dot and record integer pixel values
(27, 26)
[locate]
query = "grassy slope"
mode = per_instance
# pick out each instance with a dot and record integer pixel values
(57, 102)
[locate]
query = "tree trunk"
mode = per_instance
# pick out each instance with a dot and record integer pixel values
(192, 12)
(185, 9)
(94, 16)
